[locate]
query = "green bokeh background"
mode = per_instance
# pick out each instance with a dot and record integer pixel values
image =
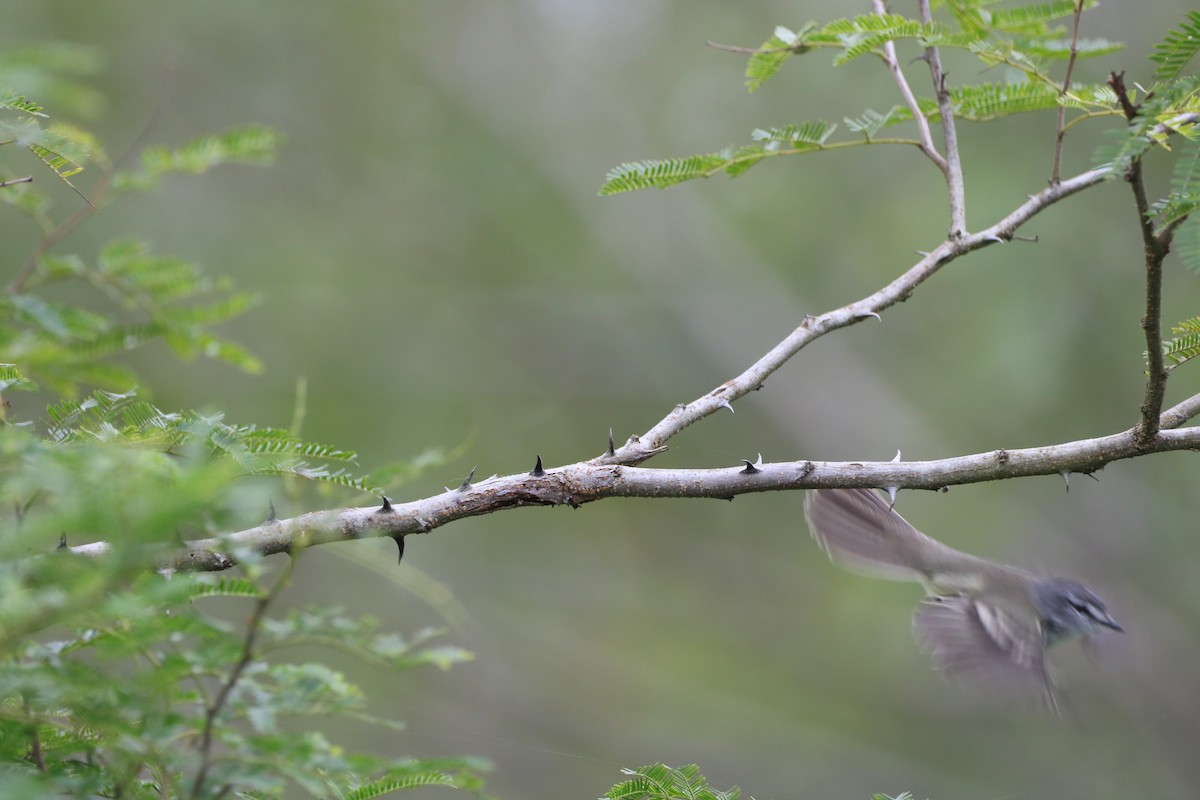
(433, 257)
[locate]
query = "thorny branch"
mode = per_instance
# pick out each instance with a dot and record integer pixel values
(615, 473)
(588, 481)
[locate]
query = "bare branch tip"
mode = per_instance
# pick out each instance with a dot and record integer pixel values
(537, 471)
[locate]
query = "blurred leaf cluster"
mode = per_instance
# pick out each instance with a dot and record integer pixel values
(116, 680)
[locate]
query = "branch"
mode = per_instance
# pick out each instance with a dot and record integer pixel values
(1154, 251)
(954, 174)
(653, 441)
(214, 710)
(589, 481)
(1061, 128)
(910, 99)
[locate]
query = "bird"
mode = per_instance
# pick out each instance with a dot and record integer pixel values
(981, 621)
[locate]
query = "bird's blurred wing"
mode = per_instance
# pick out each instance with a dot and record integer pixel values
(986, 645)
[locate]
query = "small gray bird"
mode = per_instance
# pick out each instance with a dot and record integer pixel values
(983, 621)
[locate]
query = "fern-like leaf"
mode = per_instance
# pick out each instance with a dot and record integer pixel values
(1173, 52)
(1186, 344)
(659, 174)
(255, 145)
(11, 377)
(767, 60)
(660, 782)
(1185, 187)
(1187, 244)
(1032, 18)
(379, 788)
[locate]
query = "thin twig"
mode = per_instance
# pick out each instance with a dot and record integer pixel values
(15, 181)
(214, 710)
(1061, 127)
(954, 174)
(654, 441)
(910, 99)
(36, 754)
(750, 51)
(1154, 251)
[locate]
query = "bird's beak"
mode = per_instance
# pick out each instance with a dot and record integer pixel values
(1108, 622)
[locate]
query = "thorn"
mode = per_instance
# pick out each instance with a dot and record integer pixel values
(892, 490)
(271, 516)
(62, 543)
(723, 403)
(751, 469)
(611, 451)
(1066, 476)
(467, 483)
(1092, 475)
(386, 508)
(537, 468)
(399, 540)
(865, 314)
(944, 489)
(924, 253)
(897, 458)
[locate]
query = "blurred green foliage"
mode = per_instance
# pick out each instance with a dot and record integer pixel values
(432, 255)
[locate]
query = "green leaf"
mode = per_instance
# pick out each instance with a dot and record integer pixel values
(660, 782)
(1187, 243)
(659, 174)
(251, 145)
(1032, 18)
(766, 61)
(869, 32)
(12, 378)
(1174, 52)
(10, 100)
(1186, 344)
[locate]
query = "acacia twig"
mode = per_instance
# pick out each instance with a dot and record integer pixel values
(910, 99)
(1060, 128)
(1154, 251)
(639, 448)
(214, 709)
(954, 173)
